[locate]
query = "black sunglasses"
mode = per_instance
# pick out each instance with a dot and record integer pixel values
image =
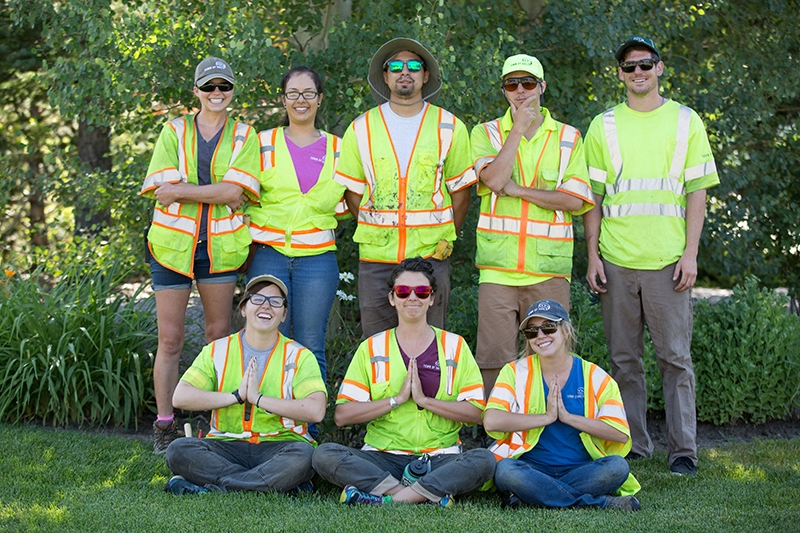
(528, 83)
(548, 328)
(644, 64)
(225, 86)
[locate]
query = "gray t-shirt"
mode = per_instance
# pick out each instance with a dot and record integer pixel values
(262, 356)
(205, 155)
(403, 131)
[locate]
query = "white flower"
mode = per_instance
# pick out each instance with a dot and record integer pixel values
(347, 277)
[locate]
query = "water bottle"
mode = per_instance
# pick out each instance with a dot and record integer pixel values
(416, 469)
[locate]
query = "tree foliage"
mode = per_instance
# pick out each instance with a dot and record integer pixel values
(128, 66)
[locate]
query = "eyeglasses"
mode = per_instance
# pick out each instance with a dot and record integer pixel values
(404, 291)
(548, 328)
(644, 64)
(396, 65)
(274, 301)
(225, 87)
(528, 83)
(295, 95)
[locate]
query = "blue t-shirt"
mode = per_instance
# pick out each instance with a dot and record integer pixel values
(560, 444)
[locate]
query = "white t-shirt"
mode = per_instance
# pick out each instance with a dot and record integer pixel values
(403, 132)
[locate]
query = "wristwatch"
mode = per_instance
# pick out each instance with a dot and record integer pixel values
(393, 403)
(237, 396)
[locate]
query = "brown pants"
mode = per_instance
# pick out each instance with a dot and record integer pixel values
(500, 310)
(636, 297)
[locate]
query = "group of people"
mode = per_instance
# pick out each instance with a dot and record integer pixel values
(268, 204)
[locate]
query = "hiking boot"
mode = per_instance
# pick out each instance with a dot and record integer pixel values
(179, 486)
(623, 503)
(163, 436)
(683, 466)
(352, 496)
(633, 456)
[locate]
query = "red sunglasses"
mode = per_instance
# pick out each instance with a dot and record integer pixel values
(404, 291)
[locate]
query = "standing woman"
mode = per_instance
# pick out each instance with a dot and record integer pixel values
(560, 423)
(204, 167)
(295, 223)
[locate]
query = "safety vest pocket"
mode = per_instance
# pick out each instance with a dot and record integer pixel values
(323, 221)
(553, 257)
(166, 238)
(548, 179)
(495, 249)
(378, 236)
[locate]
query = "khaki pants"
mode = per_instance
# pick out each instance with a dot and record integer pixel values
(500, 310)
(636, 297)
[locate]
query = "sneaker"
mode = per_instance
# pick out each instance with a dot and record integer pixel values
(512, 501)
(303, 487)
(633, 456)
(683, 466)
(352, 496)
(178, 485)
(447, 501)
(623, 503)
(163, 436)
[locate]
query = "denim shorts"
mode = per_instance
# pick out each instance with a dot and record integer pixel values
(164, 278)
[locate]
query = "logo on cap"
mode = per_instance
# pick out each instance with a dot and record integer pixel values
(543, 306)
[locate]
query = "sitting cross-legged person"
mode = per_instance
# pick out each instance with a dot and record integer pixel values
(262, 389)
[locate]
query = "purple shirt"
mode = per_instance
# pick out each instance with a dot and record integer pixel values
(428, 367)
(308, 161)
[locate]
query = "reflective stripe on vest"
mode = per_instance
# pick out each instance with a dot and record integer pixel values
(518, 401)
(567, 139)
(311, 238)
(220, 353)
(171, 217)
(379, 349)
(537, 229)
(672, 183)
(439, 214)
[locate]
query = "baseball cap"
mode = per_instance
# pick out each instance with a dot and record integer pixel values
(380, 91)
(210, 68)
(636, 41)
(269, 278)
(524, 63)
(547, 309)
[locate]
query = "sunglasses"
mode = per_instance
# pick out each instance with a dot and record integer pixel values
(528, 83)
(404, 291)
(548, 328)
(225, 86)
(396, 65)
(295, 95)
(644, 64)
(274, 301)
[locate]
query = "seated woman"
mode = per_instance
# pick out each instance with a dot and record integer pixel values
(560, 423)
(262, 388)
(414, 386)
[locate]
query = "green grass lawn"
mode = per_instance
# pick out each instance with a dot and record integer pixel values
(64, 480)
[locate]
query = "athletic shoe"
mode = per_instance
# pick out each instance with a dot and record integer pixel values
(178, 485)
(633, 456)
(683, 466)
(352, 496)
(447, 501)
(511, 501)
(303, 487)
(624, 503)
(163, 436)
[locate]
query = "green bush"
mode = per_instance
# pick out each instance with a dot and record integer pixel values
(746, 353)
(76, 350)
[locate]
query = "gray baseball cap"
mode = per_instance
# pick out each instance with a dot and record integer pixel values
(210, 68)
(547, 309)
(380, 91)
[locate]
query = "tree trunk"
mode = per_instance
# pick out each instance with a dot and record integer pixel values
(94, 143)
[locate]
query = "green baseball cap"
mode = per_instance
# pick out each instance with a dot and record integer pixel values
(636, 41)
(524, 63)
